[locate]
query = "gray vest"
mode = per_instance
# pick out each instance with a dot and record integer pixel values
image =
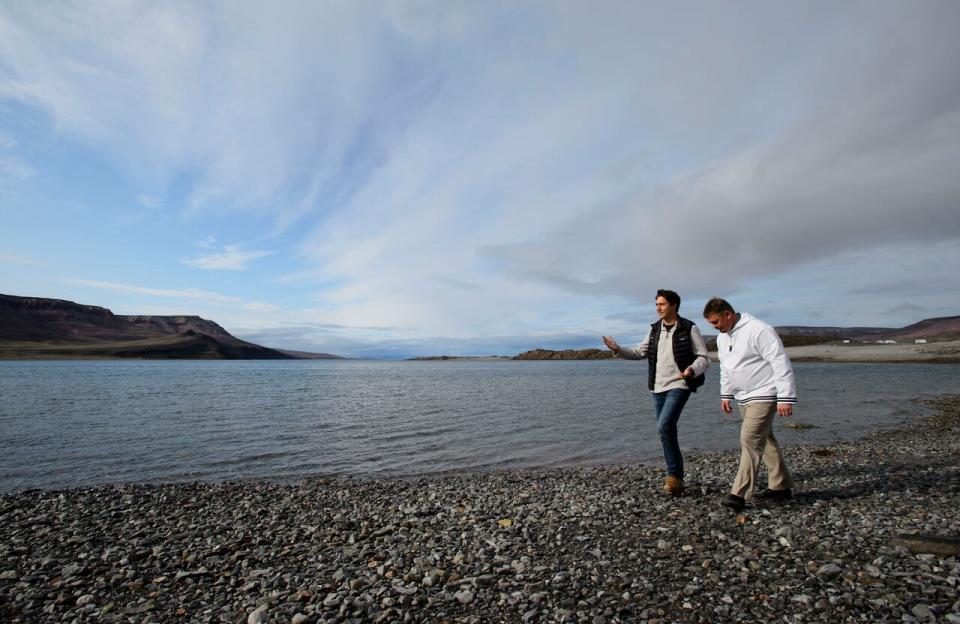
(682, 352)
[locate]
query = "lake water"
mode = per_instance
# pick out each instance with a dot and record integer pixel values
(74, 423)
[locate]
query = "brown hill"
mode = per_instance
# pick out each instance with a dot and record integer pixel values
(801, 331)
(568, 354)
(50, 328)
(942, 328)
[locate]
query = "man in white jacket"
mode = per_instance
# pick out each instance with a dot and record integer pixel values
(756, 372)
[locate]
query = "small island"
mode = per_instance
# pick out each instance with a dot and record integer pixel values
(567, 354)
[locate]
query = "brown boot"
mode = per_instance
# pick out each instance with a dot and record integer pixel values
(673, 486)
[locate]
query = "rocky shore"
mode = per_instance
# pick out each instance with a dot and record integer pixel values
(591, 545)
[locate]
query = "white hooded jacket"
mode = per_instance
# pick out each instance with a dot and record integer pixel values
(754, 366)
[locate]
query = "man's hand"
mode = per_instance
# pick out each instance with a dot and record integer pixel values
(687, 374)
(785, 409)
(725, 406)
(611, 344)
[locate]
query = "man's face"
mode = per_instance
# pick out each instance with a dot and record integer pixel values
(722, 322)
(664, 309)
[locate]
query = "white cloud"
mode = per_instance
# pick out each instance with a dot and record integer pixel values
(210, 242)
(259, 306)
(232, 258)
(7, 141)
(870, 167)
(503, 170)
(148, 201)
(254, 106)
(132, 218)
(889, 286)
(14, 169)
(189, 293)
(9, 257)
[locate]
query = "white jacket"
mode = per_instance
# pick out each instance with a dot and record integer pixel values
(754, 366)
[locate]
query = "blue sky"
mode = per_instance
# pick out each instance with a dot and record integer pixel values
(392, 179)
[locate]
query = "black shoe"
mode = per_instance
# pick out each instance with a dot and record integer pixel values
(775, 495)
(734, 502)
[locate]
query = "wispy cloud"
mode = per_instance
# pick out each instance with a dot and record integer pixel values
(132, 218)
(7, 141)
(9, 257)
(871, 166)
(489, 170)
(232, 258)
(14, 169)
(188, 293)
(148, 201)
(211, 92)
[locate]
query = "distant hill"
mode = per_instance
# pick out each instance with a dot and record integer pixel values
(309, 355)
(34, 327)
(568, 354)
(845, 332)
(933, 329)
(941, 328)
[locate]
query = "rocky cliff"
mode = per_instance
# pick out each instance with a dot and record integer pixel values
(38, 327)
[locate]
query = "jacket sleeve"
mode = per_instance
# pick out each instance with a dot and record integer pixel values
(771, 350)
(725, 392)
(634, 353)
(702, 363)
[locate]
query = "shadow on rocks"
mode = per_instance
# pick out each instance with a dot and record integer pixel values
(929, 477)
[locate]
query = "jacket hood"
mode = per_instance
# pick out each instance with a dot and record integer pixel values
(745, 319)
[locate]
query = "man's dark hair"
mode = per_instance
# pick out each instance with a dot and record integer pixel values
(717, 306)
(671, 297)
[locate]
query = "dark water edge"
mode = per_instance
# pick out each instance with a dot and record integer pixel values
(69, 424)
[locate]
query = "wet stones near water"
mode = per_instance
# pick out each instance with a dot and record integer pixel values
(599, 545)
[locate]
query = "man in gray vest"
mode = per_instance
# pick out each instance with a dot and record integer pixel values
(678, 359)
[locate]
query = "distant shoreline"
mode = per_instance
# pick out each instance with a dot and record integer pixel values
(947, 352)
(473, 358)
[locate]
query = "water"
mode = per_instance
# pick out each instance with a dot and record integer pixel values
(73, 423)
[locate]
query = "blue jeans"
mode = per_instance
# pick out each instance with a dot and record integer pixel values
(668, 406)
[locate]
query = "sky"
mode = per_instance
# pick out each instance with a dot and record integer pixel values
(400, 178)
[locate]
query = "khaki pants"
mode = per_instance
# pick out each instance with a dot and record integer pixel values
(757, 441)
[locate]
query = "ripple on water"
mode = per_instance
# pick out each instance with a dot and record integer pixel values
(79, 423)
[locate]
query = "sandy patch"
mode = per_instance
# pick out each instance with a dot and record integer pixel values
(872, 352)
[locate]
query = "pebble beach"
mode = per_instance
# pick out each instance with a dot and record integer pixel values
(872, 534)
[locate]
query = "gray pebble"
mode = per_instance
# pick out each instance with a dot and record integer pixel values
(260, 615)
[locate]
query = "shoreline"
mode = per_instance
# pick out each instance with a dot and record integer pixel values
(598, 544)
(947, 352)
(942, 352)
